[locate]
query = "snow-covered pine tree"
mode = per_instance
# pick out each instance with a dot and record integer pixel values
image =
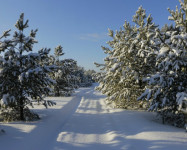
(168, 86)
(126, 63)
(68, 75)
(23, 79)
(57, 75)
(65, 78)
(58, 52)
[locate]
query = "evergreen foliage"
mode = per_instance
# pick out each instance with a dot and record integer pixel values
(85, 77)
(126, 63)
(168, 86)
(23, 78)
(68, 76)
(65, 77)
(143, 57)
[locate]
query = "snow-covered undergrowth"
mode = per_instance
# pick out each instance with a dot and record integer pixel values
(84, 122)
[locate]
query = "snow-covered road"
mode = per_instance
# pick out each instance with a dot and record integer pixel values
(85, 122)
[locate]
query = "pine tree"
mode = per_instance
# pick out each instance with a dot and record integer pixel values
(126, 63)
(23, 78)
(68, 76)
(57, 75)
(65, 78)
(168, 86)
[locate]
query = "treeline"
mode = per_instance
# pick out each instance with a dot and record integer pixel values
(27, 77)
(146, 66)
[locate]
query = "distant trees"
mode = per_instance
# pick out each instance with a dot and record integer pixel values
(66, 81)
(68, 75)
(85, 77)
(146, 58)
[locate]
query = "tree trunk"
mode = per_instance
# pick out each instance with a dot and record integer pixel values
(21, 109)
(57, 91)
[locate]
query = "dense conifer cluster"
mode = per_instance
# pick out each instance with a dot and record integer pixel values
(146, 66)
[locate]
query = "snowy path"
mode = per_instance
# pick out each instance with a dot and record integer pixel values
(84, 122)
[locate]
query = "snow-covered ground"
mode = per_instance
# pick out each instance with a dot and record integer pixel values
(85, 122)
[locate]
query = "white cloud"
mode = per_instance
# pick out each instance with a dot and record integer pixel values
(93, 36)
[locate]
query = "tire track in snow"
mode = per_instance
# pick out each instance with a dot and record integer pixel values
(89, 127)
(45, 130)
(95, 126)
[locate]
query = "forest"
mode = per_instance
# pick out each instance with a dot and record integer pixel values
(145, 68)
(135, 99)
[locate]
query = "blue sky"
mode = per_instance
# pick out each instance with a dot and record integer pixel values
(80, 26)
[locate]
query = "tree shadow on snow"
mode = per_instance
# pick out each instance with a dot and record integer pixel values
(47, 127)
(78, 126)
(101, 128)
(127, 136)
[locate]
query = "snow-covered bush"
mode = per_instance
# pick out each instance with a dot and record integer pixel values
(23, 78)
